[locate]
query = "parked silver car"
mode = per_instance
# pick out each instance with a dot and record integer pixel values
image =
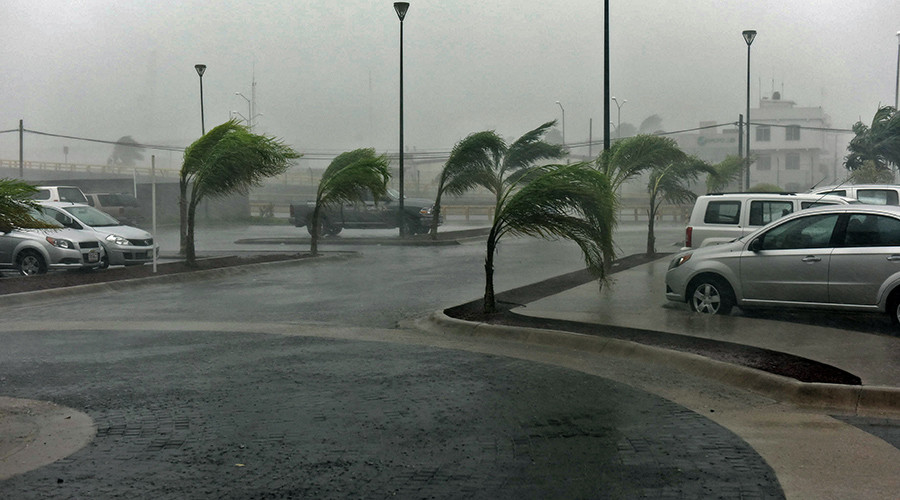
(838, 257)
(34, 251)
(124, 245)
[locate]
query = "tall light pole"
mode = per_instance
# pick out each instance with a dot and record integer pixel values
(401, 8)
(201, 68)
(897, 82)
(249, 111)
(619, 115)
(563, 121)
(749, 36)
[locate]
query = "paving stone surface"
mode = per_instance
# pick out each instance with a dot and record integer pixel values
(230, 415)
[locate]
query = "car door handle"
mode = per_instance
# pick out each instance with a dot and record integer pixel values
(894, 258)
(811, 258)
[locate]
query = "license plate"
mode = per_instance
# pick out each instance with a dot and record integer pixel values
(93, 256)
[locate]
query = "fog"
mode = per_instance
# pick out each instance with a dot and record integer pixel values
(327, 73)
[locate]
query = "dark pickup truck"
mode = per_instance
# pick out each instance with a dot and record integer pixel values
(368, 214)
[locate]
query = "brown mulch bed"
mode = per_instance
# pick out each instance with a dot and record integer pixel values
(60, 279)
(796, 367)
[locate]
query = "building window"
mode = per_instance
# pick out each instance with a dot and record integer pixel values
(763, 134)
(792, 133)
(763, 163)
(792, 161)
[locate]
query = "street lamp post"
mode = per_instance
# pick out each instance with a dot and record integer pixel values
(897, 82)
(201, 68)
(563, 122)
(749, 36)
(401, 8)
(249, 111)
(619, 115)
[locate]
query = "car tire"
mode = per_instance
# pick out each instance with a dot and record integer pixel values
(104, 262)
(29, 263)
(893, 307)
(325, 228)
(710, 295)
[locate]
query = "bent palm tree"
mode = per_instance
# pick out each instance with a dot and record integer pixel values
(877, 145)
(227, 159)
(573, 202)
(670, 181)
(348, 177)
(725, 172)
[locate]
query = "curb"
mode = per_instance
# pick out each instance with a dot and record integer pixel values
(858, 400)
(13, 299)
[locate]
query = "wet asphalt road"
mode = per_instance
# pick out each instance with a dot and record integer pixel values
(184, 412)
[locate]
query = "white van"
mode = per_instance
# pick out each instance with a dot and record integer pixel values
(60, 193)
(870, 194)
(720, 218)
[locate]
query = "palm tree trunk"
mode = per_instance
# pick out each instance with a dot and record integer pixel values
(490, 302)
(183, 211)
(436, 216)
(190, 254)
(651, 237)
(314, 232)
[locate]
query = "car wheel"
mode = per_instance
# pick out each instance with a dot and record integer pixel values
(893, 307)
(710, 295)
(30, 263)
(104, 262)
(324, 227)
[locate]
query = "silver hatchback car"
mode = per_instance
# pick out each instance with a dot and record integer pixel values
(34, 251)
(838, 257)
(123, 245)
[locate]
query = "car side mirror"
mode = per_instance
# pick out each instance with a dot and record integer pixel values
(755, 245)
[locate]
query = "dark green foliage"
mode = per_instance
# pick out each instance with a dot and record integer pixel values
(878, 143)
(16, 206)
(346, 180)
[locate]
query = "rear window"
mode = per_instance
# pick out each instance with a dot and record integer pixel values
(722, 212)
(42, 194)
(764, 212)
(73, 195)
(117, 200)
(878, 196)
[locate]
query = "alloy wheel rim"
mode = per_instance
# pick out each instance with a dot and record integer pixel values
(707, 299)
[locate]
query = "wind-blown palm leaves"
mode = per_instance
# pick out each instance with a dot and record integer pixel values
(725, 172)
(468, 166)
(878, 145)
(484, 159)
(572, 202)
(227, 159)
(671, 171)
(16, 206)
(349, 176)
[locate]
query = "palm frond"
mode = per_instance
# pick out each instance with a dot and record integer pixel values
(350, 175)
(530, 149)
(470, 161)
(572, 202)
(17, 209)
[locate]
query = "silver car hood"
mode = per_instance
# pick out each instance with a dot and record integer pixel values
(127, 232)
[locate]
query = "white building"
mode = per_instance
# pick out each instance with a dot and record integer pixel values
(794, 147)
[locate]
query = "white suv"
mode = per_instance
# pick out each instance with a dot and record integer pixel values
(871, 194)
(720, 218)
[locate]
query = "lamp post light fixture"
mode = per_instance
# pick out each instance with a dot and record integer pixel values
(749, 36)
(618, 115)
(401, 8)
(201, 68)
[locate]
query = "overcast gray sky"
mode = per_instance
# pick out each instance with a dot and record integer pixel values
(327, 72)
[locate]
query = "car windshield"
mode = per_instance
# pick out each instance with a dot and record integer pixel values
(91, 216)
(41, 216)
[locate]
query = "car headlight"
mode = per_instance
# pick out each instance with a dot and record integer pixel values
(679, 260)
(426, 211)
(118, 240)
(59, 242)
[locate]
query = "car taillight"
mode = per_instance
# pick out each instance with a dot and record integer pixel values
(688, 232)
